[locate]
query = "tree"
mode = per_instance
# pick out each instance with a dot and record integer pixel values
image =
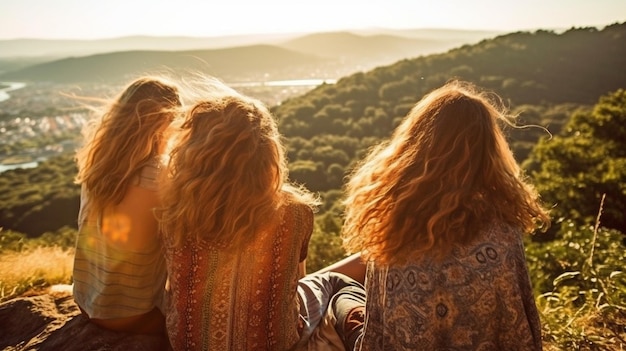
(310, 174)
(586, 161)
(325, 244)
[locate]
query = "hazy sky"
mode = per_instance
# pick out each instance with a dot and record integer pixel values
(91, 19)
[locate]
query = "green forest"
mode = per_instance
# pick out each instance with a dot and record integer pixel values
(569, 93)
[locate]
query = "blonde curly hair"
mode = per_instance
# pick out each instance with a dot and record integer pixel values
(446, 172)
(127, 135)
(227, 177)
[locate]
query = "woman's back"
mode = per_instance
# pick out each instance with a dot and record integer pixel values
(243, 300)
(119, 269)
(477, 298)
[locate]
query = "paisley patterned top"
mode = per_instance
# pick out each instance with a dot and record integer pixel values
(480, 298)
(242, 301)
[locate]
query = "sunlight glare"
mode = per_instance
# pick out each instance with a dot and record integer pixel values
(116, 228)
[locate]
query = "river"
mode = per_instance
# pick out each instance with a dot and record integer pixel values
(284, 83)
(4, 92)
(31, 164)
(4, 95)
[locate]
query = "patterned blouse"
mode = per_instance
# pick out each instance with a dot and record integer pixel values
(243, 301)
(480, 298)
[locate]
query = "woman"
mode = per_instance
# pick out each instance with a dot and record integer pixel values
(119, 269)
(236, 234)
(438, 214)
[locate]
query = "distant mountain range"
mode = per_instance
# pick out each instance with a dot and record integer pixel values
(384, 47)
(112, 67)
(59, 48)
(115, 59)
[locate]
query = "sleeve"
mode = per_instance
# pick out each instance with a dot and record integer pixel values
(82, 211)
(304, 221)
(148, 177)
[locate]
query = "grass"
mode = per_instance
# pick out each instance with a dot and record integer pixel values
(581, 297)
(584, 311)
(586, 307)
(22, 272)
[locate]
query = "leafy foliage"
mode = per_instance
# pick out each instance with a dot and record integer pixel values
(588, 159)
(325, 244)
(12, 241)
(38, 200)
(535, 73)
(580, 286)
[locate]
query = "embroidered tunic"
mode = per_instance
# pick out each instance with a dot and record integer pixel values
(111, 280)
(480, 298)
(242, 301)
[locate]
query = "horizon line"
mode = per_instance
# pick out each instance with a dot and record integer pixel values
(278, 34)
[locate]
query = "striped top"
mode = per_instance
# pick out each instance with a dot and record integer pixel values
(242, 301)
(111, 281)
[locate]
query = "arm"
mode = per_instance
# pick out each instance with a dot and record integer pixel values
(352, 266)
(306, 218)
(302, 269)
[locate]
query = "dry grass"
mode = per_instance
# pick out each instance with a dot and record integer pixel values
(21, 272)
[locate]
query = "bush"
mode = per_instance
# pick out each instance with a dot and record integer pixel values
(581, 287)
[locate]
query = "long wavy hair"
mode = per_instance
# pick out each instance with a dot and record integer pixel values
(127, 135)
(227, 177)
(446, 172)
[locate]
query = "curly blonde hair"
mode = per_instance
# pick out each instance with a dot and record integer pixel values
(127, 135)
(227, 177)
(446, 172)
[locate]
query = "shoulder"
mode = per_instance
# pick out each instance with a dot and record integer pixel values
(149, 174)
(299, 211)
(298, 218)
(502, 232)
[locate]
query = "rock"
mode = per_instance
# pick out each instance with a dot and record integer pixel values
(52, 321)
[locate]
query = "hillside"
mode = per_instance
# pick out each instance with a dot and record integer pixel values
(345, 53)
(14, 64)
(543, 75)
(542, 67)
(536, 72)
(378, 49)
(60, 48)
(111, 67)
